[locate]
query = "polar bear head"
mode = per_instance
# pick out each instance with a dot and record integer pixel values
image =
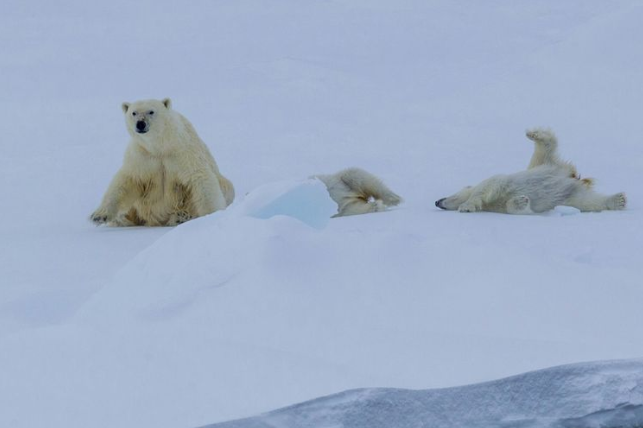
(453, 202)
(147, 119)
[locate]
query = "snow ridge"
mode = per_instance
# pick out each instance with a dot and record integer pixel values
(599, 394)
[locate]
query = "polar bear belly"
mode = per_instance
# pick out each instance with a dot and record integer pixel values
(158, 197)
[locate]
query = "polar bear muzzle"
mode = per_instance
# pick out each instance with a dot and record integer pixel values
(141, 127)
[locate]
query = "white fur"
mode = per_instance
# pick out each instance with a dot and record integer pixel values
(548, 182)
(168, 175)
(358, 192)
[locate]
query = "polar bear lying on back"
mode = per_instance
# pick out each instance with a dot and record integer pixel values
(357, 191)
(168, 174)
(547, 182)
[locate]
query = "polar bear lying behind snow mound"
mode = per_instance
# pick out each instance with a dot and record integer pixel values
(358, 192)
(168, 175)
(547, 182)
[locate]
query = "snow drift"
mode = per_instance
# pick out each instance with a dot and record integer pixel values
(589, 395)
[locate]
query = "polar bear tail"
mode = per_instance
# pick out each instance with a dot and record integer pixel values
(369, 186)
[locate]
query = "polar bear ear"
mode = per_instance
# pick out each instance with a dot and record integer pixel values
(125, 107)
(167, 103)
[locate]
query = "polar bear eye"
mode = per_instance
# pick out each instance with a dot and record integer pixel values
(151, 112)
(133, 113)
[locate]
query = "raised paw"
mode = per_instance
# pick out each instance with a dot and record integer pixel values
(617, 202)
(540, 135)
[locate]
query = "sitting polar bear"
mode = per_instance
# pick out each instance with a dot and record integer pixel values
(547, 182)
(358, 192)
(168, 175)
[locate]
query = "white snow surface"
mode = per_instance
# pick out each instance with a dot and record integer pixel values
(270, 303)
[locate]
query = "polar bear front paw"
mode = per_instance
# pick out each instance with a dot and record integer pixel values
(540, 135)
(99, 217)
(470, 207)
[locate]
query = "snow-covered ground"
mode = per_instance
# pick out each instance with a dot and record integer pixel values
(243, 312)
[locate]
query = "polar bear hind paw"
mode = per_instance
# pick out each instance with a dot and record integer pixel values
(179, 217)
(617, 202)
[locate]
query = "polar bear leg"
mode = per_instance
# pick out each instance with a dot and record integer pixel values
(207, 196)
(545, 148)
(587, 200)
(357, 206)
(546, 151)
(472, 205)
(118, 190)
(484, 193)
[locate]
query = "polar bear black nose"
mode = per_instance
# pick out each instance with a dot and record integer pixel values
(140, 125)
(438, 203)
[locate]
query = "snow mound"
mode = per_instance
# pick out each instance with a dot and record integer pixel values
(563, 210)
(171, 274)
(588, 395)
(307, 201)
